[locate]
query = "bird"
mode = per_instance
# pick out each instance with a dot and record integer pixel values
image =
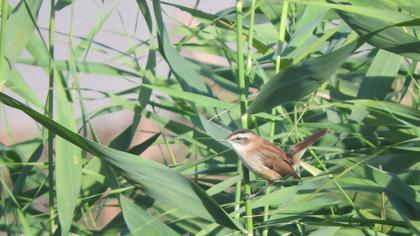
(267, 160)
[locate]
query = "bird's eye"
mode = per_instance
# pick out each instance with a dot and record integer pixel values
(237, 139)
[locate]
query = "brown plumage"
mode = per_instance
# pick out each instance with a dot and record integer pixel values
(296, 151)
(267, 160)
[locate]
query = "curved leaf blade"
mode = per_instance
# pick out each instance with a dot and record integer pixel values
(19, 28)
(63, 4)
(142, 223)
(380, 75)
(158, 181)
(298, 81)
(384, 35)
(187, 76)
(140, 148)
(68, 164)
(192, 97)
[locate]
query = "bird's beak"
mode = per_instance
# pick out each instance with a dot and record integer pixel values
(224, 140)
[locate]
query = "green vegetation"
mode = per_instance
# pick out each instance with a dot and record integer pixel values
(285, 69)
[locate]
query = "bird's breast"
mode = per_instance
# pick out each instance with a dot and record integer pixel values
(255, 163)
(252, 162)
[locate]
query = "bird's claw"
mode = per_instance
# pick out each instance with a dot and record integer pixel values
(249, 196)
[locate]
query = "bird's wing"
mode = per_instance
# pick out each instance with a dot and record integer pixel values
(277, 160)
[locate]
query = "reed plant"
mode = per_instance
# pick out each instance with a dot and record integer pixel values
(285, 69)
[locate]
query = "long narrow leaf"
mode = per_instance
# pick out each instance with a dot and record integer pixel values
(380, 34)
(187, 76)
(20, 27)
(142, 223)
(158, 181)
(298, 81)
(68, 166)
(380, 75)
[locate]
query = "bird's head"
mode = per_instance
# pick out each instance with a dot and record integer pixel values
(241, 138)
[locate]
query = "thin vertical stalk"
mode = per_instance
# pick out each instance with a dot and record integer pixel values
(241, 73)
(168, 147)
(244, 118)
(266, 211)
(382, 211)
(51, 114)
(282, 33)
(4, 13)
(250, 38)
(238, 190)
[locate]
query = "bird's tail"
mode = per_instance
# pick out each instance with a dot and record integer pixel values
(296, 151)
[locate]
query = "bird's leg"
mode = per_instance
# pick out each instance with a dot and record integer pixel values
(259, 191)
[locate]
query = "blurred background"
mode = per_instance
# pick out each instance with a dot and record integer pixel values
(116, 21)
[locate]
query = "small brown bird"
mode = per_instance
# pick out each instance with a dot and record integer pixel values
(267, 160)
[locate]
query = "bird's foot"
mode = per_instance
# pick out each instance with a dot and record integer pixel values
(250, 196)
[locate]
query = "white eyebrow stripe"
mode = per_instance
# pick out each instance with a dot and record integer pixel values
(242, 136)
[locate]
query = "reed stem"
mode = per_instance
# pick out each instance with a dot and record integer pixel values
(244, 119)
(282, 33)
(250, 38)
(4, 8)
(51, 115)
